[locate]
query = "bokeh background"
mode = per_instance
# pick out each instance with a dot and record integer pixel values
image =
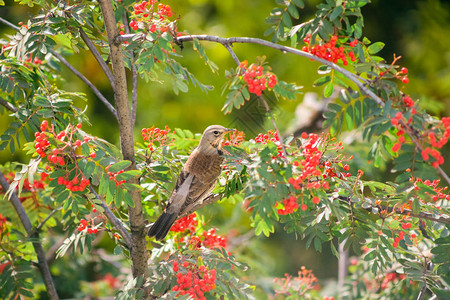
(416, 30)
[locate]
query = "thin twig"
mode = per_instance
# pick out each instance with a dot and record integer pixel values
(8, 105)
(232, 53)
(38, 228)
(98, 57)
(113, 219)
(134, 74)
(42, 262)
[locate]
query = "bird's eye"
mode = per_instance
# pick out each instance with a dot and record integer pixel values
(216, 132)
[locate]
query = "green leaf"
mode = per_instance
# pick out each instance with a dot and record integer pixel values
(336, 12)
(322, 81)
(328, 91)
(128, 199)
(119, 166)
(293, 11)
(375, 47)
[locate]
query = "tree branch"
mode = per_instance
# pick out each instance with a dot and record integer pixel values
(113, 219)
(212, 198)
(98, 57)
(138, 250)
(8, 105)
(359, 81)
(42, 262)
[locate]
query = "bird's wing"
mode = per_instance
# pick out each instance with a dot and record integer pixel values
(206, 170)
(180, 192)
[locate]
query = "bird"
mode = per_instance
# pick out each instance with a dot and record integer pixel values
(196, 181)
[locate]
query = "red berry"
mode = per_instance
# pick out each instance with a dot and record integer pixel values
(405, 80)
(44, 125)
(404, 70)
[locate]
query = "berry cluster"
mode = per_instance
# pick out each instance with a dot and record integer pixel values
(401, 236)
(74, 185)
(212, 240)
(193, 280)
(150, 17)
(438, 191)
(408, 101)
(256, 79)
(299, 285)
(59, 154)
(289, 206)
(185, 223)
(313, 171)
(398, 121)
(402, 75)
(270, 136)
(155, 137)
(330, 51)
(435, 140)
(84, 225)
(113, 176)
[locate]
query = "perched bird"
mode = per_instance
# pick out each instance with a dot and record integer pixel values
(196, 180)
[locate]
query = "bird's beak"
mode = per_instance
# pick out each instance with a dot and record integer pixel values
(229, 129)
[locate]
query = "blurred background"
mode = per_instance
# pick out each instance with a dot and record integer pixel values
(416, 30)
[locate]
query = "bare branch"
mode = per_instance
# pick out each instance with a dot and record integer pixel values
(38, 228)
(232, 53)
(137, 225)
(113, 219)
(7, 23)
(98, 57)
(207, 201)
(42, 262)
(8, 105)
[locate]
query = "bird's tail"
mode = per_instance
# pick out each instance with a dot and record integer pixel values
(162, 226)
